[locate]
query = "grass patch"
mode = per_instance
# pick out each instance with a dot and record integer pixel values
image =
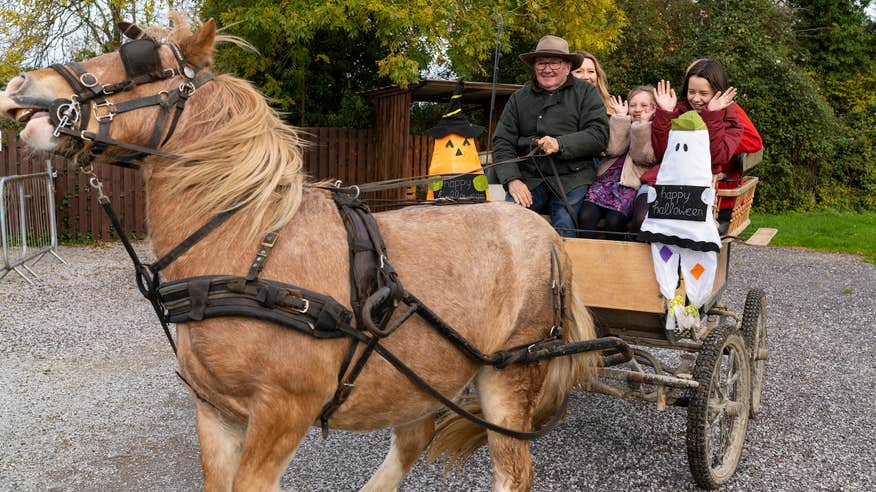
(829, 230)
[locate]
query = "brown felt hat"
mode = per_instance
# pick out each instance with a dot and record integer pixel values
(553, 46)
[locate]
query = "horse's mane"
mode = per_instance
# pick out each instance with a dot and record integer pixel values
(235, 150)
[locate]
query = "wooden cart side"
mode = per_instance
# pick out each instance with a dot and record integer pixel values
(616, 280)
(615, 274)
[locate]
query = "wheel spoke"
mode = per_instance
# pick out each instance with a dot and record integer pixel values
(731, 381)
(718, 388)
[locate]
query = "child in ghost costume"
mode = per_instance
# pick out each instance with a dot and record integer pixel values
(680, 224)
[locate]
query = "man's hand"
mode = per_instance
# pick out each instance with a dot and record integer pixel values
(520, 192)
(549, 145)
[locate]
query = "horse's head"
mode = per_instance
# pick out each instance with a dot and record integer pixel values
(157, 95)
(130, 96)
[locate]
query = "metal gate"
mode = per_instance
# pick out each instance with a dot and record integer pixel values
(27, 221)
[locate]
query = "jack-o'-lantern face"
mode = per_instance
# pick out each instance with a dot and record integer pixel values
(454, 154)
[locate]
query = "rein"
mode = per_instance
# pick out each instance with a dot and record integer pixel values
(389, 184)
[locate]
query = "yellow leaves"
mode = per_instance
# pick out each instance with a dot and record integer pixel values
(401, 69)
(593, 25)
(44, 31)
(415, 33)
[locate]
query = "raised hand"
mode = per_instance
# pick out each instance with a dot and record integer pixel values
(665, 96)
(722, 99)
(620, 107)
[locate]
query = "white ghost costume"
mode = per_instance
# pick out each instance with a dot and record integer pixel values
(680, 224)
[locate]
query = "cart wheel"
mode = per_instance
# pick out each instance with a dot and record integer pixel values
(717, 416)
(754, 329)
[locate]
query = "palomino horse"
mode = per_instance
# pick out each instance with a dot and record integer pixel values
(259, 387)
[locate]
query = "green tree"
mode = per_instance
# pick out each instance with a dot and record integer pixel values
(314, 56)
(34, 33)
(837, 46)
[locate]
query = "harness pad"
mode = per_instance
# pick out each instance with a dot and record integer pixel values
(212, 296)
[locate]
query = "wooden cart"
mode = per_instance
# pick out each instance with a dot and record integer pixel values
(719, 373)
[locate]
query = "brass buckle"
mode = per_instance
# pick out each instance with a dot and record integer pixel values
(301, 310)
(108, 107)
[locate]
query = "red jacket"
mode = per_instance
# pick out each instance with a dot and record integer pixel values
(750, 142)
(725, 134)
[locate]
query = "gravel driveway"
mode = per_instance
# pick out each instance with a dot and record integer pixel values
(90, 402)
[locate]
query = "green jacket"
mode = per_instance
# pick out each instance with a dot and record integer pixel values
(574, 114)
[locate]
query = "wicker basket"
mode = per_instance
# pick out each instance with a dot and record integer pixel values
(744, 196)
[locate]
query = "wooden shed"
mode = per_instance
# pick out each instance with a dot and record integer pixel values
(398, 153)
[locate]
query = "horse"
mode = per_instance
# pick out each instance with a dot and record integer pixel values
(257, 386)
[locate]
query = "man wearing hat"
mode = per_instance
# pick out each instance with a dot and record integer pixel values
(561, 117)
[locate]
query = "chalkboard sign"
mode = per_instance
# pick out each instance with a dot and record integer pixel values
(679, 202)
(463, 187)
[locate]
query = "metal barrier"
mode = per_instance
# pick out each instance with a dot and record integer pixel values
(27, 221)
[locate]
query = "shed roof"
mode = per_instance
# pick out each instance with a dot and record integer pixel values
(432, 90)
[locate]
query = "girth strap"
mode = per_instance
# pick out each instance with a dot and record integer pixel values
(374, 293)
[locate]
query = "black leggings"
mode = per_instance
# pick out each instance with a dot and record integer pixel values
(590, 214)
(640, 211)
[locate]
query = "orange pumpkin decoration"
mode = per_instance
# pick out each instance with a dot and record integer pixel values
(455, 156)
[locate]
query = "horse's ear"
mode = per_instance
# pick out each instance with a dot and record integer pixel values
(198, 49)
(130, 30)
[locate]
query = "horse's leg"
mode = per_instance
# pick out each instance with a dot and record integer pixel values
(276, 425)
(408, 442)
(508, 397)
(221, 441)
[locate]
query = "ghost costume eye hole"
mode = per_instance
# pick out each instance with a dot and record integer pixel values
(685, 147)
(677, 145)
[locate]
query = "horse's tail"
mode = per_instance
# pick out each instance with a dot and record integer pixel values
(564, 373)
(456, 438)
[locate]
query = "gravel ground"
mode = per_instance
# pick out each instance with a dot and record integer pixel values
(90, 402)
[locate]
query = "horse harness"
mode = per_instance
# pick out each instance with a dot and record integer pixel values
(376, 295)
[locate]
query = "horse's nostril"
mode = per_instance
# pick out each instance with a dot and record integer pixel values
(15, 84)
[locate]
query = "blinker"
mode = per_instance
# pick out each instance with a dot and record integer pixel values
(140, 57)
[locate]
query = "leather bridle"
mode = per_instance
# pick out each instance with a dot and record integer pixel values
(91, 98)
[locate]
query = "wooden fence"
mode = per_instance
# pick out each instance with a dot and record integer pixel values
(334, 153)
